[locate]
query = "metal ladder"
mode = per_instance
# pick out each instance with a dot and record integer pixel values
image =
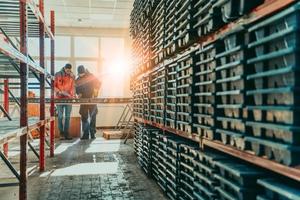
(125, 123)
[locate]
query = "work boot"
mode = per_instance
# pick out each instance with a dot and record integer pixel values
(61, 134)
(67, 137)
(85, 136)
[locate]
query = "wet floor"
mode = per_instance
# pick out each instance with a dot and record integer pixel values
(94, 169)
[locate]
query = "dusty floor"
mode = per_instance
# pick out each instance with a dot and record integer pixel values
(95, 169)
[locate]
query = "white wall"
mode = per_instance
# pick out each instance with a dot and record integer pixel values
(108, 114)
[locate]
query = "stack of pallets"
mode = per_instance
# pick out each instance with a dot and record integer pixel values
(146, 35)
(184, 22)
(278, 189)
(206, 20)
(185, 80)
(273, 121)
(146, 96)
(171, 93)
(234, 9)
(137, 137)
(162, 156)
(170, 46)
(154, 154)
(186, 171)
(158, 32)
(204, 173)
(237, 180)
(138, 99)
(172, 165)
(204, 104)
(160, 91)
(230, 84)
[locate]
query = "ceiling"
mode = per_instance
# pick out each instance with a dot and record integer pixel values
(90, 13)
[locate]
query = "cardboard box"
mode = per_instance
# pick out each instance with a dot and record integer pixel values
(74, 130)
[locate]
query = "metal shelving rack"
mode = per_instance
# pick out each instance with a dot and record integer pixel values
(21, 19)
(268, 8)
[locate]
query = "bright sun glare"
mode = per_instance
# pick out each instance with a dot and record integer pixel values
(116, 67)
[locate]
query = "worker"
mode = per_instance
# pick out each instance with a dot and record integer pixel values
(87, 86)
(64, 85)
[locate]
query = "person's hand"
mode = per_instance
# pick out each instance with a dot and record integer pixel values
(66, 94)
(58, 93)
(95, 93)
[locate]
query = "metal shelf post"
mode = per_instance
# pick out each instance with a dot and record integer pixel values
(52, 109)
(42, 88)
(24, 103)
(6, 107)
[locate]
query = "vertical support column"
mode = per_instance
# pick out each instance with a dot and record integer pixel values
(6, 107)
(42, 88)
(52, 124)
(24, 101)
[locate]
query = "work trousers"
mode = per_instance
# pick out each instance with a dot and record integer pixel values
(88, 118)
(64, 115)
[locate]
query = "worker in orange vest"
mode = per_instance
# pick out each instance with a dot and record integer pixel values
(64, 85)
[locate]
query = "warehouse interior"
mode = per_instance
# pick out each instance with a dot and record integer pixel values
(149, 99)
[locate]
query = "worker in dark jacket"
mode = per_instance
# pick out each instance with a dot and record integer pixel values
(87, 86)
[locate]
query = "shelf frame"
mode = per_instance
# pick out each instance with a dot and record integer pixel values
(13, 54)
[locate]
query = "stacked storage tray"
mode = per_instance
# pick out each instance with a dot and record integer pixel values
(160, 93)
(206, 21)
(136, 32)
(137, 137)
(145, 142)
(204, 104)
(172, 170)
(145, 152)
(273, 119)
(146, 96)
(158, 32)
(278, 189)
(184, 101)
(171, 93)
(153, 81)
(139, 144)
(154, 154)
(230, 73)
(204, 174)
(186, 171)
(233, 9)
(170, 46)
(146, 38)
(237, 180)
(140, 30)
(138, 99)
(184, 22)
(162, 156)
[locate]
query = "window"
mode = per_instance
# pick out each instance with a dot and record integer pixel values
(34, 47)
(113, 67)
(87, 47)
(62, 46)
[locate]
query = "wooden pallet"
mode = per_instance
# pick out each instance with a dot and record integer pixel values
(110, 135)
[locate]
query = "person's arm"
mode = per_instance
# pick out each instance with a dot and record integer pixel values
(72, 90)
(77, 89)
(97, 86)
(57, 89)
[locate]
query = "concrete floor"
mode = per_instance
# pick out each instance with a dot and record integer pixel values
(94, 169)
